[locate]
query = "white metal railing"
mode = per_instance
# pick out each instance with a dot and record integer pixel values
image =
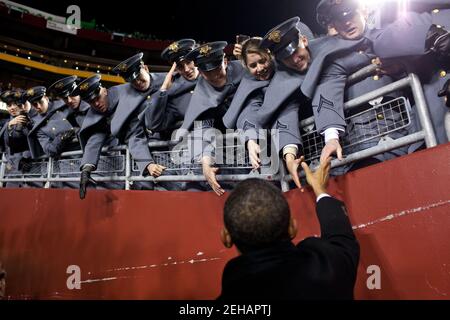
(116, 164)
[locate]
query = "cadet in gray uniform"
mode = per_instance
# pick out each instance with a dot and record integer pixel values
(95, 132)
(348, 19)
(428, 37)
(63, 89)
(114, 113)
(211, 98)
(284, 103)
(169, 104)
(249, 96)
(13, 135)
(126, 124)
(52, 130)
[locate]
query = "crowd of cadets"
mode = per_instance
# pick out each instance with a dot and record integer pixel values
(277, 81)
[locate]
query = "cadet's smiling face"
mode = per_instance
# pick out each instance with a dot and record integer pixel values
(300, 59)
(101, 102)
(41, 106)
(217, 77)
(187, 69)
(260, 65)
(72, 102)
(13, 109)
(142, 82)
(353, 27)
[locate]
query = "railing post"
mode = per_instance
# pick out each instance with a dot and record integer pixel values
(284, 184)
(2, 169)
(447, 124)
(49, 173)
(422, 110)
(128, 165)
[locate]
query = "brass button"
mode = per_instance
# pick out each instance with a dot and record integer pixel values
(380, 116)
(442, 73)
(53, 128)
(149, 97)
(64, 119)
(435, 11)
(376, 77)
(192, 91)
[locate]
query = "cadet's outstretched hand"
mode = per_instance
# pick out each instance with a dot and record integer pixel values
(155, 170)
(210, 174)
(332, 147)
(292, 165)
(253, 153)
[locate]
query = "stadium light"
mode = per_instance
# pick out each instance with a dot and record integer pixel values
(375, 4)
(375, 7)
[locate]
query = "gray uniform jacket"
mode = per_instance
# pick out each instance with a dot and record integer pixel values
(209, 103)
(169, 107)
(95, 131)
(16, 136)
(433, 71)
(44, 137)
(283, 105)
(120, 121)
(128, 128)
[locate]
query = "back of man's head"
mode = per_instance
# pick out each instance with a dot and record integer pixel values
(256, 215)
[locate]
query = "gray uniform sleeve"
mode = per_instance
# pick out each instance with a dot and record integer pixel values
(93, 148)
(328, 100)
(248, 123)
(51, 147)
(407, 36)
(286, 127)
(158, 116)
(138, 145)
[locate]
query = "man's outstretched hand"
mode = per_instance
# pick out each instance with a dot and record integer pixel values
(318, 179)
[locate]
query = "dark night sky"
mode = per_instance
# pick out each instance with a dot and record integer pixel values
(199, 19)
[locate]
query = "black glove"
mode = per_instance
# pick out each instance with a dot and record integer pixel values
(67, 136)
(25, 165)
(438, 40)
(84, 180)
(445, 92)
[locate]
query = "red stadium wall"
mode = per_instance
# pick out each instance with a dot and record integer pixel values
(166, 245)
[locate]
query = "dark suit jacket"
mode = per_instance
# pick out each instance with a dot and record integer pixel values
(316, 268)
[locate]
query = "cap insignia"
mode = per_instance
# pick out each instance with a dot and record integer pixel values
(275, 36)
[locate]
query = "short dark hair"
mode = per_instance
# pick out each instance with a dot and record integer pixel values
(256, 215)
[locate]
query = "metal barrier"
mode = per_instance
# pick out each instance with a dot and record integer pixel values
(385, 144)
(372, 125)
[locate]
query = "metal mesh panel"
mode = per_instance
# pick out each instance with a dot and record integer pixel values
(234, 157)
(374, 123)
(35, 169)
(106, 164)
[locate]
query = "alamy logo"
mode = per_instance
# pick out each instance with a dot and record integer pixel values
(74, 20)
(74, 280)
(374, 280)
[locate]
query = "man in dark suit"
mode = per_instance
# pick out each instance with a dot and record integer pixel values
(258, 221)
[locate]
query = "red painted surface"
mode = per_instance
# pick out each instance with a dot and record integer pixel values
(165, 245)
